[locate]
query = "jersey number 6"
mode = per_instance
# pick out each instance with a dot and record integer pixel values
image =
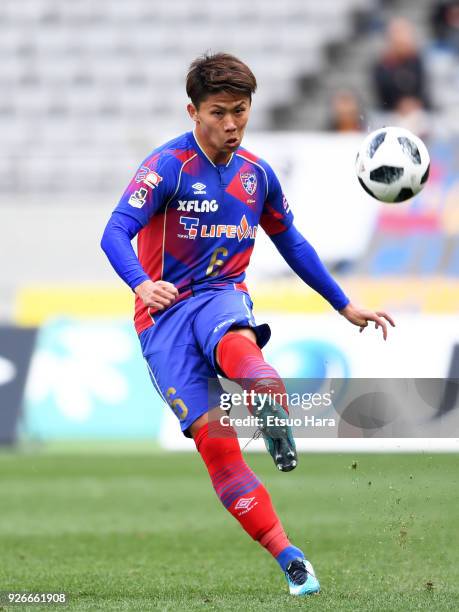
(215, 262)
(178, 405)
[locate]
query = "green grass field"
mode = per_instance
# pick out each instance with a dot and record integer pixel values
(146, 532)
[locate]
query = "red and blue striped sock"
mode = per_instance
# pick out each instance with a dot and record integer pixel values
(240, 358)
(241, 492)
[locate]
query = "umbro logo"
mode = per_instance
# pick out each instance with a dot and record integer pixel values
(244, 503)
(199, 189)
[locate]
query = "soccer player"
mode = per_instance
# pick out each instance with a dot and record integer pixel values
(195, 204)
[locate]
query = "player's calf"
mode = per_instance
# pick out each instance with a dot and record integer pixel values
(240, 358)
(241, 492)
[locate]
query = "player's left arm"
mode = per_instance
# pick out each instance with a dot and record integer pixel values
(361, 317)
(305, 262)
(277, 221)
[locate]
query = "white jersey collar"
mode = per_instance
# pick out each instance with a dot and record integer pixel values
(205, 154)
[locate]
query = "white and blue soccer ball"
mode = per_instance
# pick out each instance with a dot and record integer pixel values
(392, 164)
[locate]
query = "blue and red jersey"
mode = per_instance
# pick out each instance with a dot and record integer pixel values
(199, 220)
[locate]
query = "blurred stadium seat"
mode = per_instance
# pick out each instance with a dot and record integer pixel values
(89, 88)
(70, 65)
(67, 64)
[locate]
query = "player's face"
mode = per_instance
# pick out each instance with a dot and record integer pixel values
(220, 124)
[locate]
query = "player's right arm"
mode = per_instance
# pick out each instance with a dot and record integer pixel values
(157, 294)
(145, 194)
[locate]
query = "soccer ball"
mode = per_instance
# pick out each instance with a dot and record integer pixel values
(392, 164)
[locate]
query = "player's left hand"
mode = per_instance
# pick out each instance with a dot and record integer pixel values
(361, 317)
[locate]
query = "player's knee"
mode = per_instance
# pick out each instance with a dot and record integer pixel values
(247, 332)
(235, 344)
(197, 425)
(217, 444)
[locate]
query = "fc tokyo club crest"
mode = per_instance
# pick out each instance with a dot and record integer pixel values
(249, 182)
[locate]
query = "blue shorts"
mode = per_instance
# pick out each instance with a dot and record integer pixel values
(180, 348)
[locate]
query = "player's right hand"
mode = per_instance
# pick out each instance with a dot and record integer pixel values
(157, 295)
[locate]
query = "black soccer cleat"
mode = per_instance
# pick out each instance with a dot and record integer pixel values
(301, 578)
(277, 434)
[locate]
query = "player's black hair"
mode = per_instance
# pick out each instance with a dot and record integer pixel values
(214, 73)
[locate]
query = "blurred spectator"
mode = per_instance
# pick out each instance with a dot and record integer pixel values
(444, 21)
(442, 59)
(345, 114)
(437, 19)
(399, 75)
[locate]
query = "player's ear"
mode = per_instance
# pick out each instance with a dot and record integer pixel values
(192, 111)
